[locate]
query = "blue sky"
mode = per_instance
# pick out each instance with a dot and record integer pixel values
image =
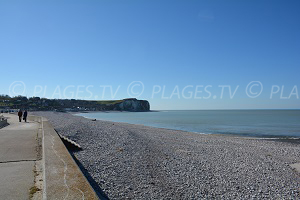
(59, 48)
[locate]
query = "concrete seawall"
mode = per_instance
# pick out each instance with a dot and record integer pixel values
(62, 178)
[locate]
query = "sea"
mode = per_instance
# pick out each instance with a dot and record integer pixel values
(253, 123)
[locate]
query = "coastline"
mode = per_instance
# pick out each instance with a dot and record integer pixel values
(267, 137)
(137, 161)
(243, 135)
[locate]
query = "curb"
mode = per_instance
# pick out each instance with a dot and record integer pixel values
(62, 178)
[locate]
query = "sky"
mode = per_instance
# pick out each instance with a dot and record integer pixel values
(175, 54)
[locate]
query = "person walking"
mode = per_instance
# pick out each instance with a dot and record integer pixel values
(25, 116)
(20, 113)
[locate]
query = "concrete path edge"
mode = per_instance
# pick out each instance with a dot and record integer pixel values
(62, 177)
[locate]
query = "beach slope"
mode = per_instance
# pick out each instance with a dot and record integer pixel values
(139, 162)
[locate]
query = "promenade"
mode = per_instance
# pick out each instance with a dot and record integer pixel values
(17, 158)
(35, 164)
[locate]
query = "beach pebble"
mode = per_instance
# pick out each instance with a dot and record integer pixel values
(138, 162)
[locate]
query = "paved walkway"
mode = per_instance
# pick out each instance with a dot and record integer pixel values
(17, 158)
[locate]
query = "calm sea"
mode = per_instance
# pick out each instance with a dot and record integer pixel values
(258, 123)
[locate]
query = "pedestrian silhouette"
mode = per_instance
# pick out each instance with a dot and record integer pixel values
(25, 116)
(20, 113)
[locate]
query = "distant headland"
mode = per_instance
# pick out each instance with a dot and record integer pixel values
(43, 104)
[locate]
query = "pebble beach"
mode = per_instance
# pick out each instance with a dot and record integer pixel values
(129, 161)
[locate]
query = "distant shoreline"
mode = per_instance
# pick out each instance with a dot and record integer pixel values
(271, 137)
(201, 130)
